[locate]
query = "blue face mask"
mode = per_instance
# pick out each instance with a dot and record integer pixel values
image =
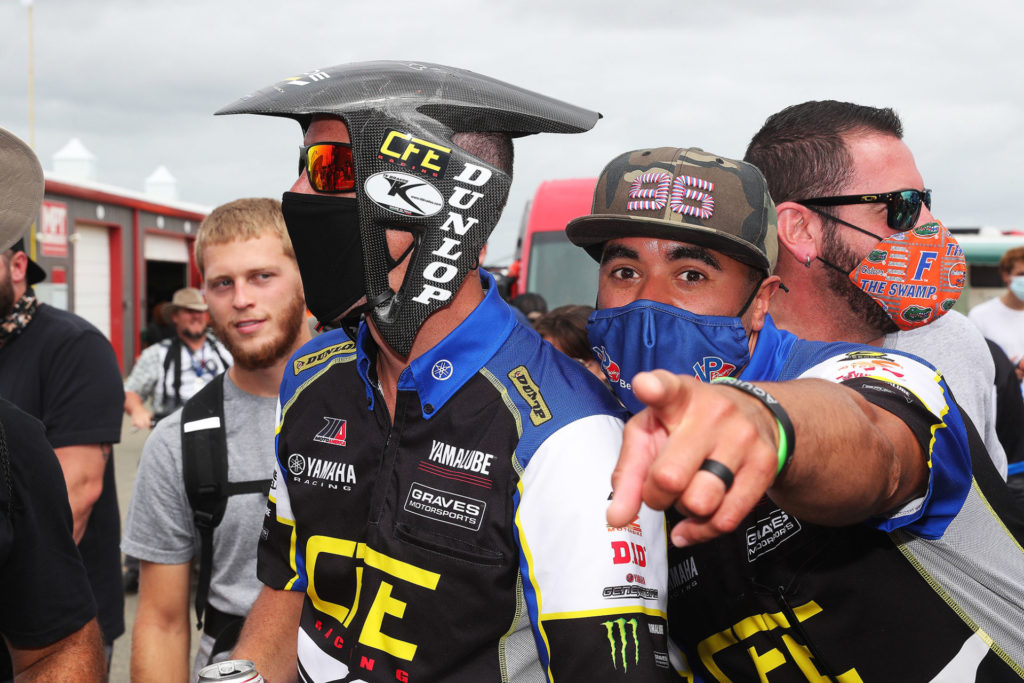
(1017, 286)
(646, 335)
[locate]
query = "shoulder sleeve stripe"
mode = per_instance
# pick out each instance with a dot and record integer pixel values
(299, 389)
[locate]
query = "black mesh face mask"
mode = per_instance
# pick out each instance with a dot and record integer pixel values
(409, 176)
(325, 236)
(328, 249)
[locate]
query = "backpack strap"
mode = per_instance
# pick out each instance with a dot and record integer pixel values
(204, 452)
(5, 471)
(173, 358)
(215, 345)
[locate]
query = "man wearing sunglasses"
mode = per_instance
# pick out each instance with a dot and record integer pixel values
(847, 190)
(830, 528)
(438, 509)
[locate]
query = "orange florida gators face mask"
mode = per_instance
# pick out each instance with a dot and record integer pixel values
(916, 276)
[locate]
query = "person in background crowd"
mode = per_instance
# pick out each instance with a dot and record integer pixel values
(532, 305)
(257, 309)
(830, 526)
(565, 328)
(1001, 319)
(832, 169)
(158, 328)
(171, 371)
(1009, 417)
(47, 612)
(437, 512)
(48, 501)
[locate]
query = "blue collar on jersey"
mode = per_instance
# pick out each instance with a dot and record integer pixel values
(770, 353)
(442, 370)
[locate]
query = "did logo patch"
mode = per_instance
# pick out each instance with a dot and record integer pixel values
(403, 194)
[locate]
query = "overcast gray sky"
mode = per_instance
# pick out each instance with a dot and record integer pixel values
(138, 80)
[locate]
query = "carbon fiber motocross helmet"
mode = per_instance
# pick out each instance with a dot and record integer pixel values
(401, 117)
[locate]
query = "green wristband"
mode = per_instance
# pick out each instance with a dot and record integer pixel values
(787, 436)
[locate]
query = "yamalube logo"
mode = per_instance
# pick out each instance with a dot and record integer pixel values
(403, 193)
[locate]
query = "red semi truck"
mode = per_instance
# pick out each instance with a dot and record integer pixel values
(547, 263)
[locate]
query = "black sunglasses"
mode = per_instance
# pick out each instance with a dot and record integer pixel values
(902, 207)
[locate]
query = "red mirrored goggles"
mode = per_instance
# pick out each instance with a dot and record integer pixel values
(328, 166)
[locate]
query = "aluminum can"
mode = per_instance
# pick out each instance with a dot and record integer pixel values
(231, 671)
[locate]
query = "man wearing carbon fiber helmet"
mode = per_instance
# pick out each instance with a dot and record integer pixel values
(826, 518)
(438, 508)
(846, 186)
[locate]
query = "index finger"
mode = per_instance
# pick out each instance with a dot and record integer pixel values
(631, 471)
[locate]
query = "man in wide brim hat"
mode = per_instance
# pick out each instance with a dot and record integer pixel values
(21, 189)
(52, 630)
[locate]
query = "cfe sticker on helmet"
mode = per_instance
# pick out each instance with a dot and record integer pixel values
(685, 195)
(916, 276)
(403, 194)
(414, 154)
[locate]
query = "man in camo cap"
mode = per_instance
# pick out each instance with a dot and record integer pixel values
(789, 490)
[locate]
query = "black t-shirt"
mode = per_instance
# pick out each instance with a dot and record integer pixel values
(1009, 405)
(63, 371)
(44, 590)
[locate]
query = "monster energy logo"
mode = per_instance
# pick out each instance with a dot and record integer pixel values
(620, 633)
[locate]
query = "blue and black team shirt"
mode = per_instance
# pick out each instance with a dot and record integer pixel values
(464, 537)
(930, 592)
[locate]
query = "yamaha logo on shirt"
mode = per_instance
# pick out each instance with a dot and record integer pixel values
(319, 472)
(682, 576)
(442, 370)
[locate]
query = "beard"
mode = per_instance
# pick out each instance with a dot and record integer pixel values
(6, 297)
(839, 283)
(193, 336)
(270, 351)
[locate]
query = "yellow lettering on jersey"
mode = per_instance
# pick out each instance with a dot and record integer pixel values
(760, 622)
(711, 646)
(383, 604)
(769, 661)
(401, 570)
(773, 658)
(331, 546)
(311, 360)
(372, 636)
(802, 656)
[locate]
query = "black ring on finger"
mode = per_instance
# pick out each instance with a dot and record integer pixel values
(719, 470)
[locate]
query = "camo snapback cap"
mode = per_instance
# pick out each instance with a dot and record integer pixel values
(685, 195)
